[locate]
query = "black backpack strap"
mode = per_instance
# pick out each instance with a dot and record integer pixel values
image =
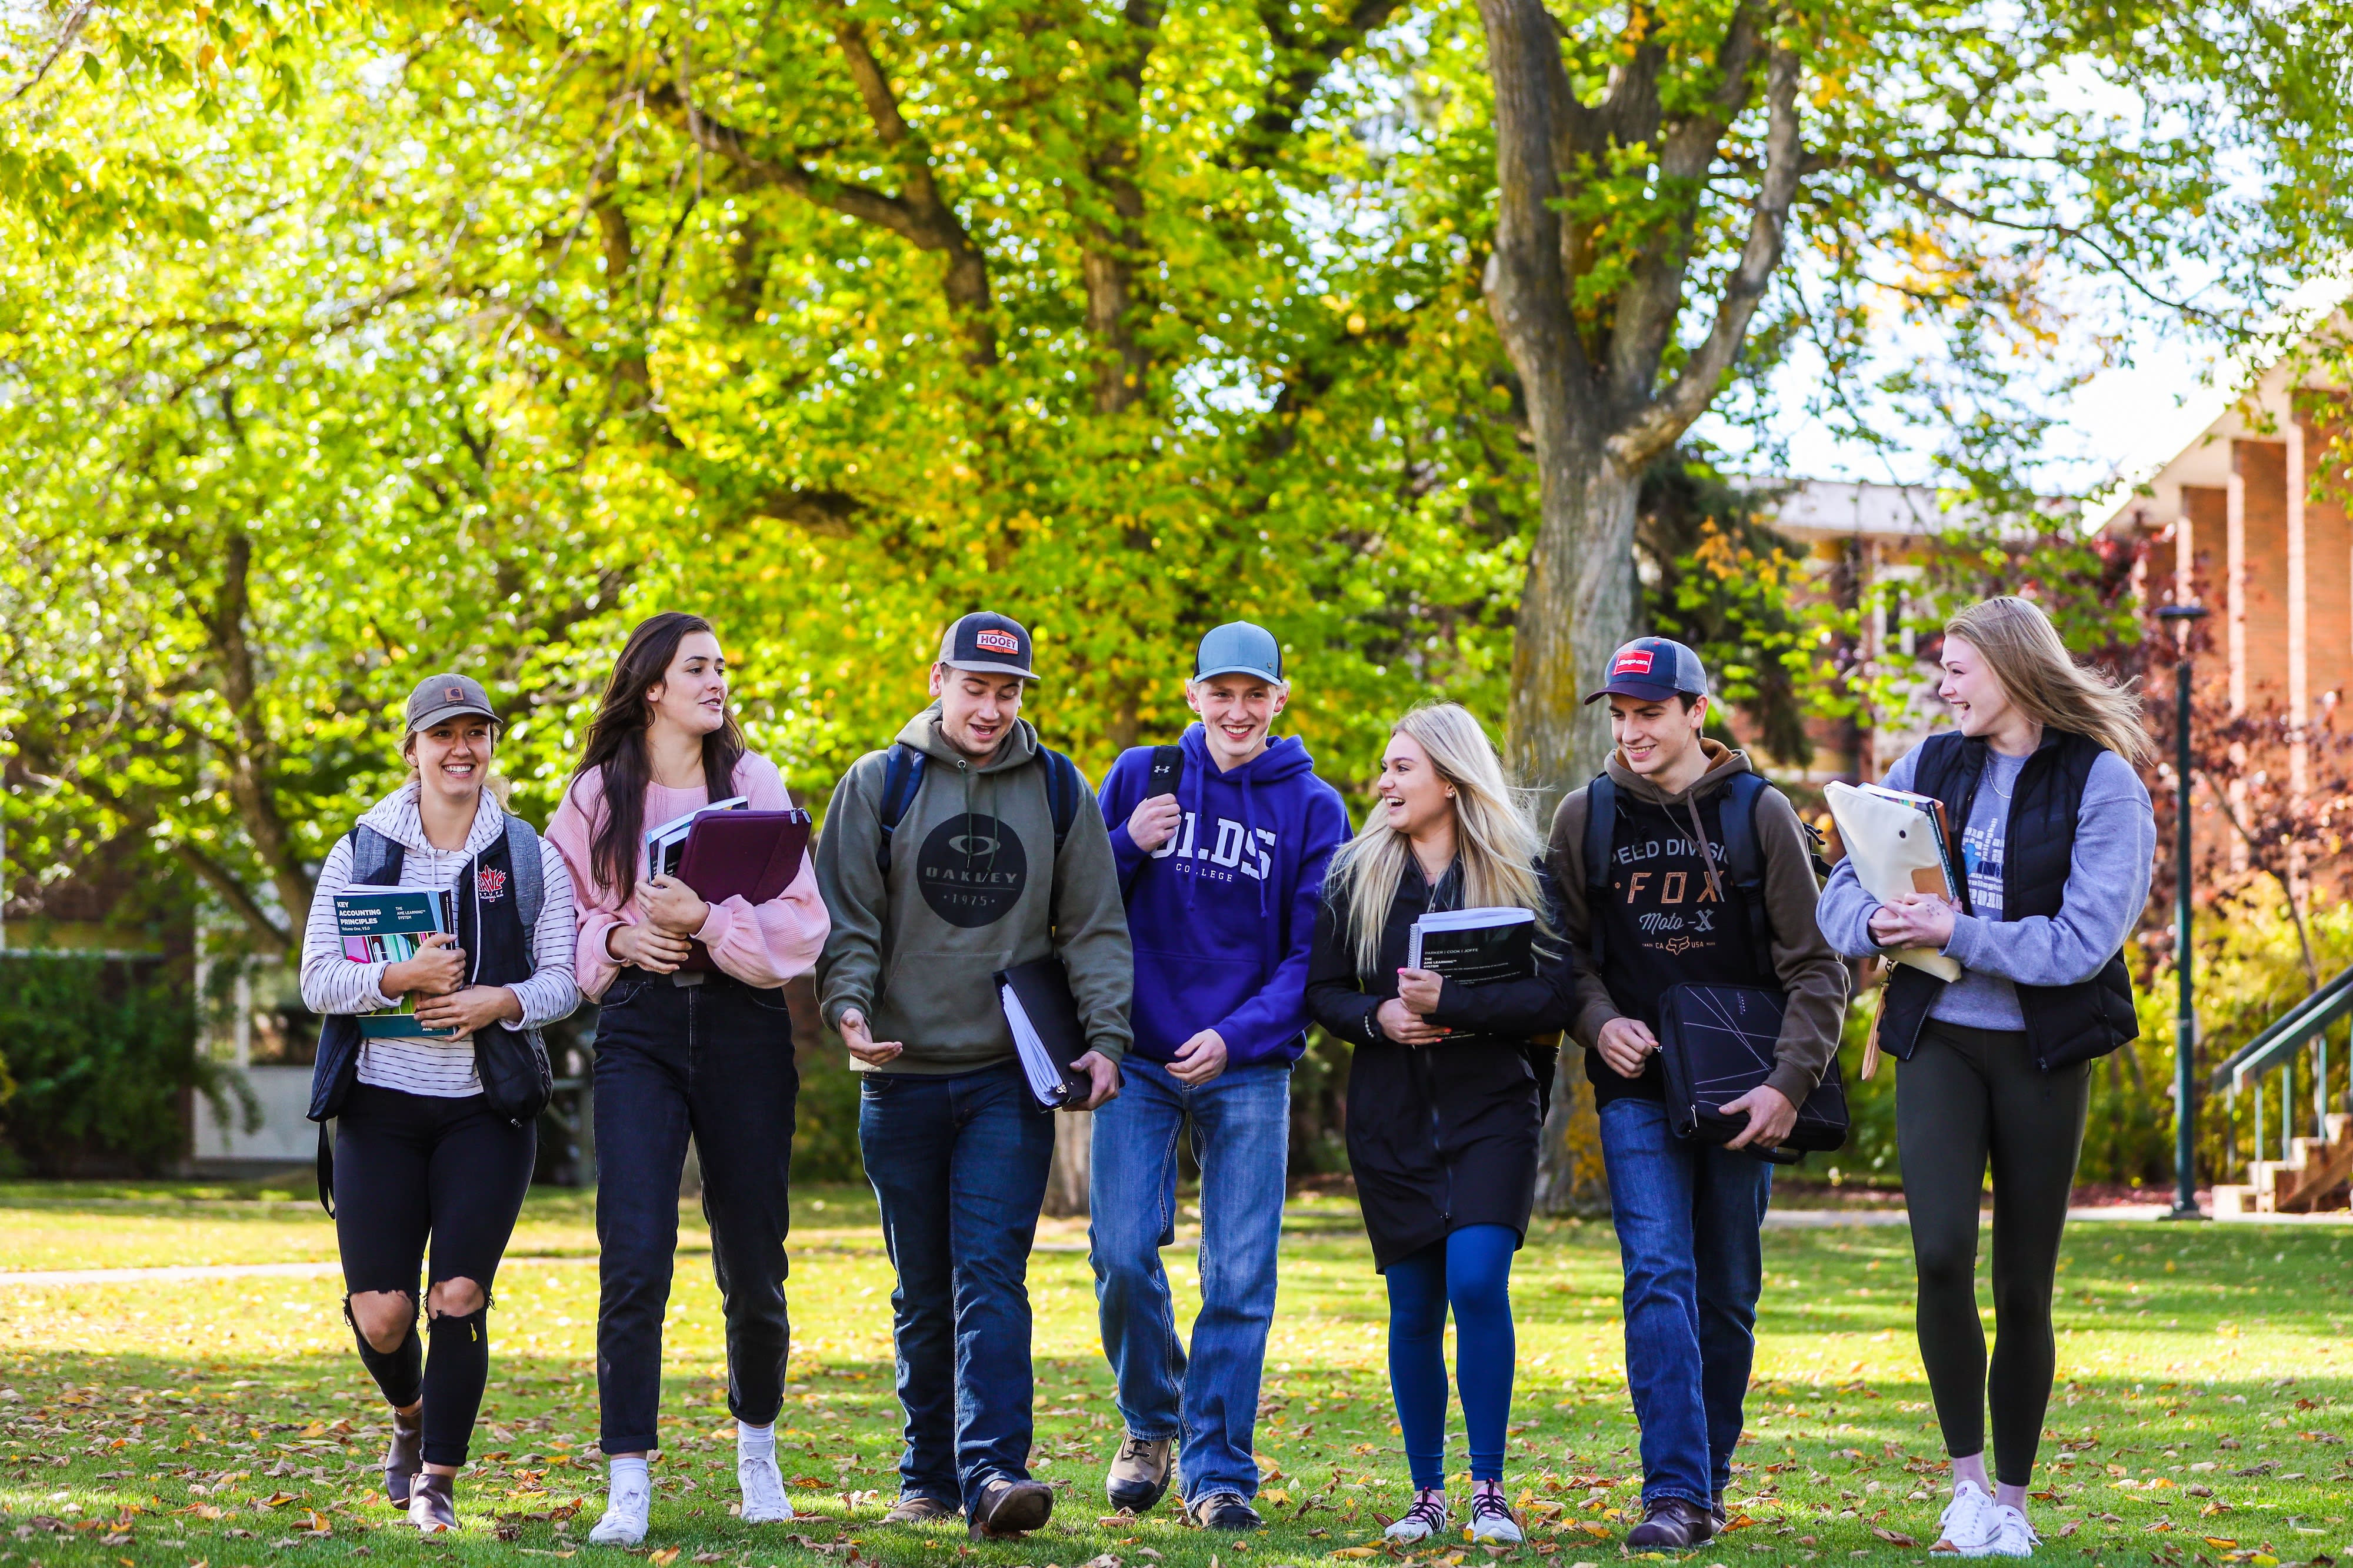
(1063, 788)
(1736, 830)
(1600, 832)
(326, 1172)
(903, 775)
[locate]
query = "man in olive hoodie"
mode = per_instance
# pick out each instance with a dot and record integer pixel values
(1687, 1213)
(987, 854)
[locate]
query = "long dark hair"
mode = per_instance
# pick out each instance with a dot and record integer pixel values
(617, 747)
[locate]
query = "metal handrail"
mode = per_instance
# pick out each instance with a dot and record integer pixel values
(2288, 1034)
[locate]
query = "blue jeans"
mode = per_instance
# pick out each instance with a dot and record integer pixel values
(713, 1060)
(1241, 1136)
(1687, 1215)
(1471, 1269)
(959, 1164)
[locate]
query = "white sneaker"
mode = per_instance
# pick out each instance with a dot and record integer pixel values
(1491, 1521)
(1969, 1520)
(765, 1502)
(2012, 1537)
(626, 1508)
(1425, 1519)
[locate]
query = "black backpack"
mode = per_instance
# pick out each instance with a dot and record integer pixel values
(1822, 1121)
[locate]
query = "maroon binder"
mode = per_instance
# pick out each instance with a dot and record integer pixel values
(750, 855)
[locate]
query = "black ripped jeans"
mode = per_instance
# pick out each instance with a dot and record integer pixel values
(714, 1061)
(414, 1171)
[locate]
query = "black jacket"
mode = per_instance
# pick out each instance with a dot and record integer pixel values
(2065, 1025)
(1442, 1136)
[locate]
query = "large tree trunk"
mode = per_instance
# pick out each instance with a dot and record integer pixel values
(1580, 600)
(1073, 1169)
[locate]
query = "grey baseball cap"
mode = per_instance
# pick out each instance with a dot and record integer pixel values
(1238, 647)
(439, 697)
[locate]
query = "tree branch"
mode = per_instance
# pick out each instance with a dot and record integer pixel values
(1107, 258)
(251, 758)
(1302, 61)
(1659, 424)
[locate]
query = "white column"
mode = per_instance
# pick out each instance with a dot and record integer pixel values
(2185, 559)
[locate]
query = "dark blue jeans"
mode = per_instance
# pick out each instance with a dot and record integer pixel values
(715, 1061)
(1241, 1135)
(1687, 1216)
(959, 1165)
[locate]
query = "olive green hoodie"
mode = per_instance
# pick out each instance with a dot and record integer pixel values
(974, 886)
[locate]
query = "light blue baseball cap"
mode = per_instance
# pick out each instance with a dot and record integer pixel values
(1238, 647)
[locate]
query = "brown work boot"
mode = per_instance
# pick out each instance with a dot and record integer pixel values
(1670, 1524)
(1009, 1506)
(1139, 1473)
(914, 1507)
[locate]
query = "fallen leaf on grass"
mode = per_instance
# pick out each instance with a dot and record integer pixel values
(2070, 1528)
(710, 1557)
(663, 1558)
(2220, 1542)
(1355, 1551)
(1893, 1537)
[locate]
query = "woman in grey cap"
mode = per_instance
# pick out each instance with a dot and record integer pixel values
(423, 1154)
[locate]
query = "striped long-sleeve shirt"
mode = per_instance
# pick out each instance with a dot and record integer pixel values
(334, 984)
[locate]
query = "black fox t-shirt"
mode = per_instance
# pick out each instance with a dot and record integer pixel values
(1664, 924)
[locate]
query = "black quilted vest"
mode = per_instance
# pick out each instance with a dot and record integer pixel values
(2065, 1025)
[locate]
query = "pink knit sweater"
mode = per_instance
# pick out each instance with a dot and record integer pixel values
(763, 945)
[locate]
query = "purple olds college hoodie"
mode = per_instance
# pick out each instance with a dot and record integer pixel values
(1223, 914)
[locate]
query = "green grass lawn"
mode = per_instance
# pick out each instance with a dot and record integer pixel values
(2206, 1393)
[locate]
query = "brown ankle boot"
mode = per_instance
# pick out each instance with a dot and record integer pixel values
(405, 1455)
(433, 1503)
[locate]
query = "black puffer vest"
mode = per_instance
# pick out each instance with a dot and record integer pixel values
(2065, 1025)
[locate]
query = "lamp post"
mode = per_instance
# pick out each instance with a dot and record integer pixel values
(2185, 1016)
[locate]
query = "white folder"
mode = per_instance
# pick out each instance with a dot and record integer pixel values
(1894, 845)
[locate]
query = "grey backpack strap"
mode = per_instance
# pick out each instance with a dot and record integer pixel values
(372, 854)
(523, 863)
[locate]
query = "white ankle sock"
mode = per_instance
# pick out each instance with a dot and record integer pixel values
(755, 1442)
(624, 1473)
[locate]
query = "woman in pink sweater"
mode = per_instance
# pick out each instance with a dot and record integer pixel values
(683, 1052)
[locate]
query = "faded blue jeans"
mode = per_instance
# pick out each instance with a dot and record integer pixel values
(1241, 1136)
(959, 1164)
(1687, 1216)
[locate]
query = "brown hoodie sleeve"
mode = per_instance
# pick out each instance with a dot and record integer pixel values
(1814, 977)
(1566, 856)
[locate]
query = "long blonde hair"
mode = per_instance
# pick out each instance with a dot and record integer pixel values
(2022, 649)
(1494, 843)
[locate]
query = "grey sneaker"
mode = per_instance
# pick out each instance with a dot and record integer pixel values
(1139, 1473)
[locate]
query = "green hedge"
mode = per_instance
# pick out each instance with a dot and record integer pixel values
(101, 1053)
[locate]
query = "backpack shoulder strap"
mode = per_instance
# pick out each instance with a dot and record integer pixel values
(1737, 828)
(1601, 829)
(903, 775)
(375, 859)
(523, 863)
(1063, 788)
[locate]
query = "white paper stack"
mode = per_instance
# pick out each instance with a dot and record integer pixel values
(665, 843)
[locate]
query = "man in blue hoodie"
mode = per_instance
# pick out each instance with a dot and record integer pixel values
(1220, 866)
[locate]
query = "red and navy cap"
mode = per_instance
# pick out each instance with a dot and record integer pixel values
(987, 644)
(1653, 670)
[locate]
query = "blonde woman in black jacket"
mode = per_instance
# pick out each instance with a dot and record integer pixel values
(1446, 1092)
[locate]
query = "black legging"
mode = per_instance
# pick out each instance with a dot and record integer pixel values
(410, 1167)
(1965, 1096)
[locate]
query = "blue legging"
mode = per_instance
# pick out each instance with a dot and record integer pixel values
(1473, 1268)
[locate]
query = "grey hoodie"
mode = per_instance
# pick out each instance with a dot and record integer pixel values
(974, 886)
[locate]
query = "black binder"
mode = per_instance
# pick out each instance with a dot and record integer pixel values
(1044, 1018)
(1715, 1044)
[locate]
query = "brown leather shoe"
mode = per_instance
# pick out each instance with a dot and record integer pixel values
(405, 1456)
(1140, 1471)
(1670, 1524)
(914, 1507)
(1009, 1508)
(433, 1503)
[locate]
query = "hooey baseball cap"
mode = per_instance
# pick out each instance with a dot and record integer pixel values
(439, 697)
(987, 644)
(1238, 647)
(1653, 670)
